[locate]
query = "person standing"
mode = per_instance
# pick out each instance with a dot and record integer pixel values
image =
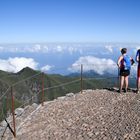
(124, 64)
(138, 70)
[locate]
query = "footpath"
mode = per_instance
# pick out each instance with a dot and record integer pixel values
(92, 115)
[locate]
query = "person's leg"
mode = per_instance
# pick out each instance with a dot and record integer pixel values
(138, 79)
(126, 83)
(121, 83)
(138, 84)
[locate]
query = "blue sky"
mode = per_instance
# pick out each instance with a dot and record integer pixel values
(29, 28)
(69, 21)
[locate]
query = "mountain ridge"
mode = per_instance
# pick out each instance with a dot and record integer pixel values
(27, 86)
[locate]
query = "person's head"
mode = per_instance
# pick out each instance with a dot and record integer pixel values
(138, 50)
(123, 50)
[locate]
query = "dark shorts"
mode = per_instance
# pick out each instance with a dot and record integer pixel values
(124, 72)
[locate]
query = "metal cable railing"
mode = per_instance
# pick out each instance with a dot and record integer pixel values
(43, 88)
(27, 101)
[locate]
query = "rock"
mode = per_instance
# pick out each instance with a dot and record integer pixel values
(61, 98)
(69, 94)
(94, 115)
(19, 111)
(34, 105)
(3, 124)
(90, 134)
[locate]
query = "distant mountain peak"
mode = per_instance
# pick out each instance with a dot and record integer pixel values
(26, 70)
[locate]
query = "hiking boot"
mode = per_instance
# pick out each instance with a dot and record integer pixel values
(119, 91)
(125, 90)
(137, 91)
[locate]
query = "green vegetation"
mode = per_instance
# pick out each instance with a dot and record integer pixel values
(27, 86)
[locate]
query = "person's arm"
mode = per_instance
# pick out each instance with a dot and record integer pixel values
(119, 61)
(137, 56)
(132, 60)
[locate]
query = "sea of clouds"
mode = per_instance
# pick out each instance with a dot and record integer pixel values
(99, 57)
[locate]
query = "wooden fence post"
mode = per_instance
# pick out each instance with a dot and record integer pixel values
(13, 112)
(42, 89)
(81, 78)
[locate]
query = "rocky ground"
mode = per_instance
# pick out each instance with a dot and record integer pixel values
(93, 115)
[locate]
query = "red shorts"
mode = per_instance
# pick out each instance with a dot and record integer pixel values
(138, 71)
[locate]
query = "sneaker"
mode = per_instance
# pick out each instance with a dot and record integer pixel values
(119, 91)
(138, 92)
(125, 90)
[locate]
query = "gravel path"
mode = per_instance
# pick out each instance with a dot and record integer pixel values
(93, 115)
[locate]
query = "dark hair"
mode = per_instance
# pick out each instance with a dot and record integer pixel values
(123, 50)
(138, 50)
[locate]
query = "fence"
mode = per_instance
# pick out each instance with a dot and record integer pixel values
(41, 87)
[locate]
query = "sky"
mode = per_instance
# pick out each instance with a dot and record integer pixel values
(49, 34)
(69, 21)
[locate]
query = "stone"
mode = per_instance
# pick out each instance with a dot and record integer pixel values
(3, 124)
(61, 98)
(34, 105)
(19, 111)
(98, 115)
(69, 94)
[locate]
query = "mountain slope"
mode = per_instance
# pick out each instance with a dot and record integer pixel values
(27, 86)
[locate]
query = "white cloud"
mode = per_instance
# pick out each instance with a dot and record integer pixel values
(137, 48)
(59, 48)
(109, 48)
(37, 47)
(133, 72)
(31, 48)
(45, 48)
(72, 50)
(17, 63)
(81, 51)
(99, 65)
(1, 48)
(46, 68)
